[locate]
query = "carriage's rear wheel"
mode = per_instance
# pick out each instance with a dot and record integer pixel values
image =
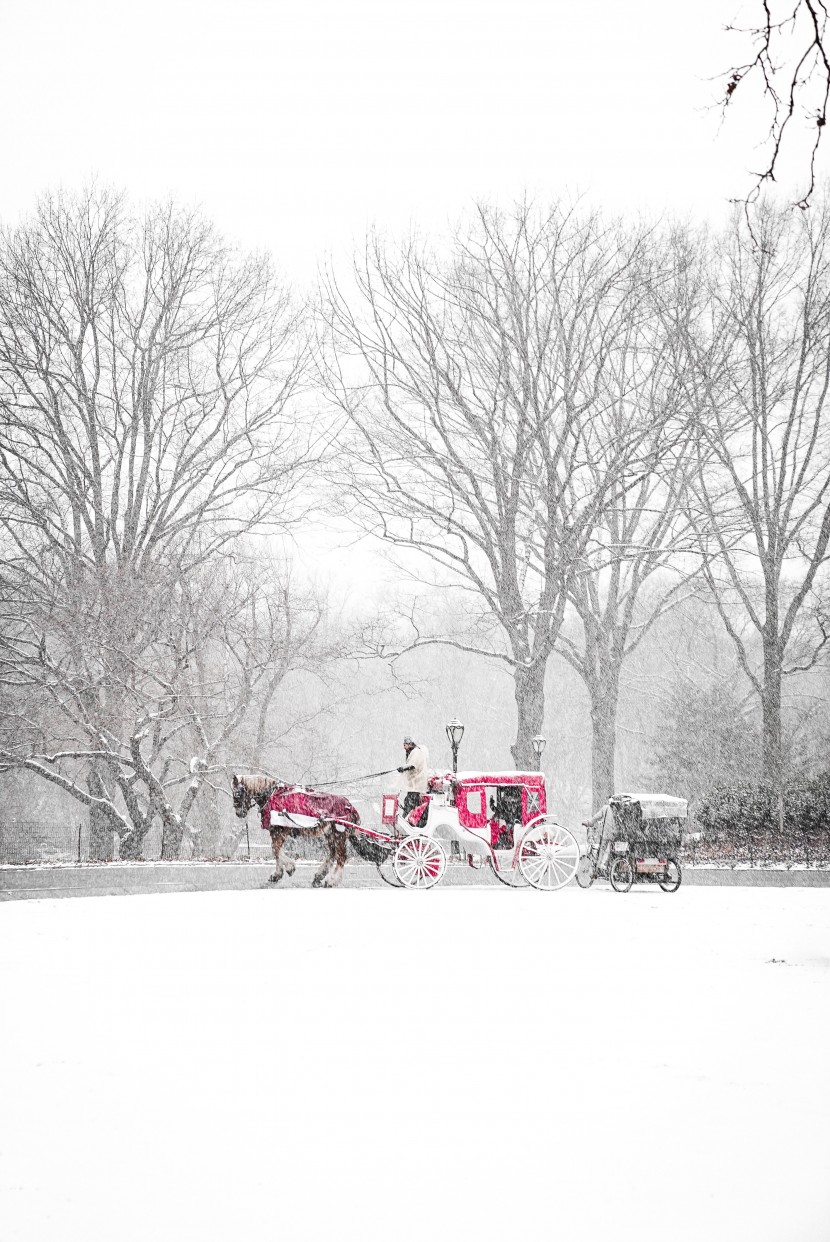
(510, 876)
(548, 856)
(419, 862)
(386, 870)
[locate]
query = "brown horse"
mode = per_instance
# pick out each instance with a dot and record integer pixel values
(293, 811)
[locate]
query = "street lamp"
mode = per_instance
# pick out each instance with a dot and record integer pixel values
(455, 732)
(539, 743)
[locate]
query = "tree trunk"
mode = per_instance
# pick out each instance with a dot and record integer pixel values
(100, 836)
(172, 833)
(207, 807)
(603, 741)
(131, 846)
(772, 758)
(530, 707)
(101, 823)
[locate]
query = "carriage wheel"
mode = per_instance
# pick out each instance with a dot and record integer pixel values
(549, 856)
(622, 874)
(386, 871)
(585, 873)
(673, 876)
(419, 862)
(510, 876)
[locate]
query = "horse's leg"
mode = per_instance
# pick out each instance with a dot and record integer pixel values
(321, 876)
(284, 866)
(287, 865)
(278, 836)
(337, 841)
(341, 852)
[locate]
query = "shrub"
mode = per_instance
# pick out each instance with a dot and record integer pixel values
(747, 808)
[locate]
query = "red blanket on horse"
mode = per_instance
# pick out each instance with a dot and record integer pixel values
(292, 806)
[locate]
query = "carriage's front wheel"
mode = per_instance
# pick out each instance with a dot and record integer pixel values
(419, 862)
(548, 856)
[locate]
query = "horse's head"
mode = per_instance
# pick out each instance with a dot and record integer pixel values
(251, 791)
(243, 798)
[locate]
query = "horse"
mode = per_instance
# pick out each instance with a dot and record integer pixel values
(290, 810)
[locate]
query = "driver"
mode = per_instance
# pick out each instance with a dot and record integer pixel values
(414, 774)
(601, 833)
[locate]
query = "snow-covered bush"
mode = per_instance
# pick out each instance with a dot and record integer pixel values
(746, 818)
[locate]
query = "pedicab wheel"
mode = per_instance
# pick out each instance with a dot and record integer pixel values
(548, 856)
(673, 877)
(622, 875)
(419, 862)
(585, 874)
(511, 877)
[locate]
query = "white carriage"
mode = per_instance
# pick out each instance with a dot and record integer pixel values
(482, 819)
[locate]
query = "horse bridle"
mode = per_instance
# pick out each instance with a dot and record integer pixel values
(244, 798)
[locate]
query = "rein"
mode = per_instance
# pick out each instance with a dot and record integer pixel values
(354, 780)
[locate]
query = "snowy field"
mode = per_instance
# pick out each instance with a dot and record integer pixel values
(460, 1064)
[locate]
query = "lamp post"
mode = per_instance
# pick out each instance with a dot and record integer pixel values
(539, 743)
(455, 732)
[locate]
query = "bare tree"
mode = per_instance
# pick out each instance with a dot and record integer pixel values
(633, 569)
(757, 376)
(477, 389)
(788, 60)
(133, 719)
(148, 387)
(634, 574)
(147, 378)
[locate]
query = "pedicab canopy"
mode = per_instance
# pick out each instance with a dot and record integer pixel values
(656, 819)
(654, 805)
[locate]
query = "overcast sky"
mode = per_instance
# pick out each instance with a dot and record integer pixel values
(296, 124)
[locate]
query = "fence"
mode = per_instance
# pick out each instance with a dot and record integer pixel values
(27, 842)
(31, 841)
(740, 848)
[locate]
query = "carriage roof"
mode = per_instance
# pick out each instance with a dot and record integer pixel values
(654, 805)
(534, 779)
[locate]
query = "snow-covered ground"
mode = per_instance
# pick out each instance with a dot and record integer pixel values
(382, 1065)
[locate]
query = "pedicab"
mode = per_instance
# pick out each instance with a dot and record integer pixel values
(495, 820)
(635, 838)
